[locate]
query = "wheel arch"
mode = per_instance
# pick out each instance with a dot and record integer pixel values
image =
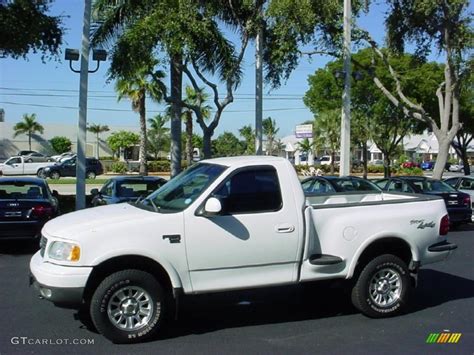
(395, 245)
(167, 276)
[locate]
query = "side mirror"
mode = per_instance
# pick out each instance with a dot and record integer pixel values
(55, 193)
(94, 192)
(213, 206)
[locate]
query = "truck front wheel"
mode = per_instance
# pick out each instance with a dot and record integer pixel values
(128, 306)
(383, 287)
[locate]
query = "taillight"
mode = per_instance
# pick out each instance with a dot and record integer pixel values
(466, 201)
(42, 211)
(444, 225)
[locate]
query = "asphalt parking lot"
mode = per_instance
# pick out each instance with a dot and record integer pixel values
(284, 320)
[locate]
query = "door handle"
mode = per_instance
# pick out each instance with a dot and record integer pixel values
(285, 228)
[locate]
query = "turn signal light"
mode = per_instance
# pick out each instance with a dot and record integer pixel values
(444, 225)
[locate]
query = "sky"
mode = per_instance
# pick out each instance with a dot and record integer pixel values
(51, 89)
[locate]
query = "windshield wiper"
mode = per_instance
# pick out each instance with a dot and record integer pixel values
(153, 204)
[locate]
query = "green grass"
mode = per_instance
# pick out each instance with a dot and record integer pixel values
(73, 181)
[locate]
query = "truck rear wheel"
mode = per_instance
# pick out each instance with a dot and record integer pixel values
(383, 287)
(128, 306)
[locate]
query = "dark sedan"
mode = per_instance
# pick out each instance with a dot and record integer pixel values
(26, 204)
(334, 184)
(68, 168)
(457, 203)
(124, 189)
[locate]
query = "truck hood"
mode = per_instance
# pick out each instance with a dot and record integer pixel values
(94, 220)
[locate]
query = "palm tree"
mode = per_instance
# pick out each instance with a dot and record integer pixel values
(29, 126)
(136, 87)
(249, 136)
(306, 146)
(158, 132)
(279, 146)
(97, 129)
(270, 131)
(196, 98)
(327, 132)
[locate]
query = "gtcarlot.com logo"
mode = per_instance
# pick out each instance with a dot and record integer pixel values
(50, 341)
(445, 337)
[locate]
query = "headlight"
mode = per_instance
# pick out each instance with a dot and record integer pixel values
(47, 169)
(64, 251)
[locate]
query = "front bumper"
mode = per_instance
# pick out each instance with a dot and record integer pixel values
(62, 285)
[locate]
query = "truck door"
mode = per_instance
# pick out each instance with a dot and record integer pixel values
(252, 242)
(13, 166)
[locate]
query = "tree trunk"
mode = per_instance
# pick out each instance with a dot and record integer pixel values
(176, 92)
(442, 157)
(97, 149)
(206, 143)
(189, 137)
(142, 153)
(332, 162)
(386, 165)
(364, 159)
(29, 139)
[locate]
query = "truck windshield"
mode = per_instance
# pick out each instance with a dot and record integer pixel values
(184, 189)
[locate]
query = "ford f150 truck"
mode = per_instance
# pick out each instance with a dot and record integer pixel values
(19, 166)
(235, 223)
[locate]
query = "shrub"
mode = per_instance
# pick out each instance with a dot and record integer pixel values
(118, 167)
(409, 172)
(61, 144)
(375, 169)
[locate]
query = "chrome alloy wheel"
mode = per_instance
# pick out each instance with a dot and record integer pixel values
(385, 287)
(130, 308)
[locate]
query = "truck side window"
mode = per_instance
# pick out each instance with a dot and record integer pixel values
(251, 191)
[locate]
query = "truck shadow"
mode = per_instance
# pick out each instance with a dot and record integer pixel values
(19, 247)
(436, 288)
(207, 313)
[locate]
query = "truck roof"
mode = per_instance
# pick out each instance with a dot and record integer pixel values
(244, 160)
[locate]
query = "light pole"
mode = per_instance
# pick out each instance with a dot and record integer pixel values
(346, 96)
(73, 55)
(259, 86)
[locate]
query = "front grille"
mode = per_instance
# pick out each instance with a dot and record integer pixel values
(43, 242)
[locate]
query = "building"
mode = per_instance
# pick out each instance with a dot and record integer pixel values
(10, 146)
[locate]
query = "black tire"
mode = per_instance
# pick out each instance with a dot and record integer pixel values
(41, 174)
(369, 299)
(90, 175)
(29, 160)
(55, 175)
(107, 294)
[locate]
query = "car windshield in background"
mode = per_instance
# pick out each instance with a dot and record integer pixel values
(348, 185)
(21, 191)
(433, 186)
(133, 188)
(184, 189)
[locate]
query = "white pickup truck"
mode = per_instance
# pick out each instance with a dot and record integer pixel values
(234, 223)
(18, 166)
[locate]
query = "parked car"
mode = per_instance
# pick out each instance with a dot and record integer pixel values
(125, 189)
(64, 156)
(457, 203)
(26, 204)
(18, 166)
(456, 168)
(427, 165)
(36, 158)
(334, 184)
(25, 152)
(327, 160)
(68, 168)
(410, 164)
(464, 184)
(234, 223)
